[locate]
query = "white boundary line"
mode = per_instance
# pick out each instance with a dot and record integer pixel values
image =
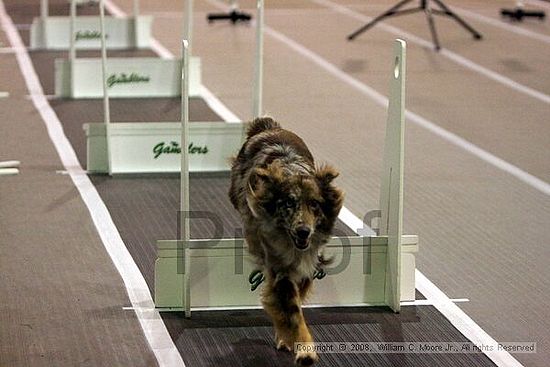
(469, 64)
(462, 322)
(152, 324)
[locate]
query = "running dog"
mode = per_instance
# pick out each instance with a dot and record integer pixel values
(288, 207)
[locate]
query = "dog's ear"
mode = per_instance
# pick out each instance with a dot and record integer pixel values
(326, 174)
(261, 189)
(333, 197)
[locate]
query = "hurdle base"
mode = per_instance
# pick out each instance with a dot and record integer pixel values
(220, 269)
(152, 147)
(137, 77)
(53, 33)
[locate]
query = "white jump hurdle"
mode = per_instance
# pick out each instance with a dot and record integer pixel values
(54, 32)
(153, 147)
(374, 270)
(137, 77)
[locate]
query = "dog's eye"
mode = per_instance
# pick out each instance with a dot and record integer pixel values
(289, 203)
(314, 204)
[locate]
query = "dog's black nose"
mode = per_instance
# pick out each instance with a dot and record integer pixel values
(303, 232)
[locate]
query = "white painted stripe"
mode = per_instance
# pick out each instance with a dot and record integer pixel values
(10, 164)
(429, 302)
(152, 324)
(454, 139)
(8, 171)
(217, 106)
(356, 224)
(507, 26)
(462, 322)
(4, 94)
(444, 52)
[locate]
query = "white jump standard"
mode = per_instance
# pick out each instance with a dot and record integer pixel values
(150, 147)
(128, 77)
(54, 32)
(374, 270)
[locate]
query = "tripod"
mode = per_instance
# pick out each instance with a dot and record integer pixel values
(428, 10)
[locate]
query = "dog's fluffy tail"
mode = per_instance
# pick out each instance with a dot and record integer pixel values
(260, 124)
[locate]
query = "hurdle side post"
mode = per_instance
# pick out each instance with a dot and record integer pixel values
(391, 194)
(72, 45)
(188, 25)
(106, 106)
(44, 9)
(136, 23)
(259, 68)
(184, 180)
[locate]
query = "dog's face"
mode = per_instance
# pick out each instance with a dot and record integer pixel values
(303, 207)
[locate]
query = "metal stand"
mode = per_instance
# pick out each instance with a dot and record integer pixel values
(428, 10)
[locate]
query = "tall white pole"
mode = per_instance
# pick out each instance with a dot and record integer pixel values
(44, 9)
(72, 43)
(137, 29)
(258, 76)
(188, 25)
(391, 188)
(106, 107)
(184, 179)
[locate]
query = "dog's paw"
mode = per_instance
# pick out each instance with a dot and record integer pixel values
(281, 345)
(305, 359)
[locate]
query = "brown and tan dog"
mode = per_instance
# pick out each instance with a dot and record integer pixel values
(288, 207)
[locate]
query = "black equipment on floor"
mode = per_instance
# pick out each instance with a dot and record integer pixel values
(234, 16)
(428, 10)
(517, 14)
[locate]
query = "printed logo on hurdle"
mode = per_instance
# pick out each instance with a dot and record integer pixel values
(124, 78)
(89, 35)
(174, 148)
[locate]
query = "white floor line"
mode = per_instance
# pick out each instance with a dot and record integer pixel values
(152, 324)
(429, 302)
(508, 26)
(467, 63)
(462, 322)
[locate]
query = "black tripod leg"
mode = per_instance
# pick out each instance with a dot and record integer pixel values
(460, 21)
(387, 13)
(428, 12)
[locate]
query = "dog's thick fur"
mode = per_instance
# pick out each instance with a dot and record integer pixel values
(288, 207)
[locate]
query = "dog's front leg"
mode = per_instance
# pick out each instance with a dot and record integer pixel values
(281, 300)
